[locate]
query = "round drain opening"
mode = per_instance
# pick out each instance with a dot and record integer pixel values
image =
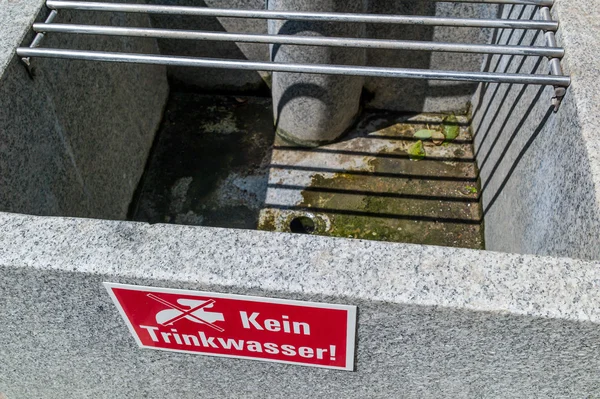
(302, 225)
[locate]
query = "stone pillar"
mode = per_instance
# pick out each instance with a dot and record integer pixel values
(316, 109)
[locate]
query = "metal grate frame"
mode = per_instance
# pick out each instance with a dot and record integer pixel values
(554, 53)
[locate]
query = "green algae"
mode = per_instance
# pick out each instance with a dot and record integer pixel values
(267, 221)
(378, 217)
(371, 203)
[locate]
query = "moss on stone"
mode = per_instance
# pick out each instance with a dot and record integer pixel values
(267, 221)
(356, 215)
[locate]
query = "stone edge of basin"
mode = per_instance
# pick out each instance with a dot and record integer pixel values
(16, 18)
(297, 266)
(580, 36)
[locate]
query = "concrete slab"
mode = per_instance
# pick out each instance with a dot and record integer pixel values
(210, 162)
(367, 187)
(214, 164)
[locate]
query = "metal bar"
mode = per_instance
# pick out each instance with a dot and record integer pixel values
(555, 66)
(551, 42)
(299, 40)
(548, 3)
(302, 16)
(40, 36)
(37, 40)
(296, 68)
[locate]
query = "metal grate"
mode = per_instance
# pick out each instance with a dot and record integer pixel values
(545, 23)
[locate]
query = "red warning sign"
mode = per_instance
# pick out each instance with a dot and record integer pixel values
(267, 329)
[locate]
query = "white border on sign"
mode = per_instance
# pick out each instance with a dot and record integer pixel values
(350, 328)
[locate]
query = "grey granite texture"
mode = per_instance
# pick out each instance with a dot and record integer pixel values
(215, 79)
(401, 95)
(433, 322)
(425, 95)
(315, 109)
(540, 170)
(75, 137)
(16, 16)
(37, 171)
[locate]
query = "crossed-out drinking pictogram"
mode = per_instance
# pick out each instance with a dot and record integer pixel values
(195, 313)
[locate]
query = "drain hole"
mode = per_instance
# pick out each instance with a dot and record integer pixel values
(302, 225)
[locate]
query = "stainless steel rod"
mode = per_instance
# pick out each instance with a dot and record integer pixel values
(296, 68)
(548, 3)
(299, 40)
(555, 67)
(37, 40)
(303, 16)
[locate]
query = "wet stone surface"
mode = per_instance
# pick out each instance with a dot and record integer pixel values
(217, 163)
(368, 187)
(209, 165)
